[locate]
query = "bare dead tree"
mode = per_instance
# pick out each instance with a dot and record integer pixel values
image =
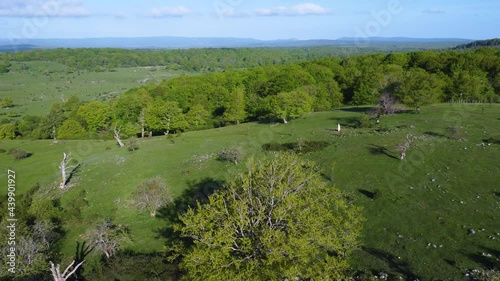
(28, 249)
(117, 136)
(403, 147)
(386, 104)
(65, 169)
(107, 237)
(151, 195)
(54, 135)
(142, 122)
(56, 272)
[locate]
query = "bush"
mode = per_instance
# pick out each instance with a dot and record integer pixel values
(456, 132)
(2, 150)
(19, 153)
(363, 122)
(133, 145)
(7, 131)
(151, 195)
(232, 154)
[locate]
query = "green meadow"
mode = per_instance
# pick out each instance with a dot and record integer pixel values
(34, 86)
(432, 215)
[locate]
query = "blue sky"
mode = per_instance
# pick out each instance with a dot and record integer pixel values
(272, 19)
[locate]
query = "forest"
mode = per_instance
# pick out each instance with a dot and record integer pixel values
(272, 93)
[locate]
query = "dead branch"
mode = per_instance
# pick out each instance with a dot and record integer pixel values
(65, 168)
(56, 273)
(117, 136)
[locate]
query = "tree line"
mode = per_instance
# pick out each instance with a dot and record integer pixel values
(275, 92)
(209, 60)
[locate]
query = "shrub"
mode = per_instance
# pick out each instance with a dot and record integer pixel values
(363, 122)
(232, 154)
(19, 153)
(456, 132)
(133, 145)
(151, 195)
(7, 131)
(2, 150)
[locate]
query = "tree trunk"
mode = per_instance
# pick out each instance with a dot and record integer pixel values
(120, 143)
(63, 167)
(142, 120)
(56, 272)
(117, 136)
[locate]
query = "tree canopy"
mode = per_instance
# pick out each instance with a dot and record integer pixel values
(277, 221)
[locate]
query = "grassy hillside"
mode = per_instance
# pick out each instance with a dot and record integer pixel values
(420, 211)
(34, 86)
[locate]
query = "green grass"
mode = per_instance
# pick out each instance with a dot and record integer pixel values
(34, 86)
(444, 187)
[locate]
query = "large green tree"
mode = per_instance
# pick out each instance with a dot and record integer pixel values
(277, 221)
(163, 116)
(96, 115)
(235, 108)
(71, 130)
(291, 105)
(420, 88)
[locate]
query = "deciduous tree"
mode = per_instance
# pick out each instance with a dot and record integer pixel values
(277, 221)
(151, 195)
(291, 105)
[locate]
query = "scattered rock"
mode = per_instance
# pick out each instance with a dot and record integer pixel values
(472, 231)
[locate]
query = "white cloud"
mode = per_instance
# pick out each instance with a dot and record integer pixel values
(164, 12)
(308, 9)
(433, 11)
(43, 8)
(304, 9)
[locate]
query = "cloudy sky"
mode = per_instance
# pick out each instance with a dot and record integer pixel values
(271, 19)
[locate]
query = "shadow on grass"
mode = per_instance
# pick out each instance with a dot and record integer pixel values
(395, 264)
(484, 260)
(130, 265)
(363, 109)
(198, 191)
(435, 134)
(369, 194)
(380, 150)
(347, 122)
(73, 173)
(82, 251)
(492, 140)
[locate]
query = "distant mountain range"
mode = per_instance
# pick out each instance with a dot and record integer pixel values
(209, 42)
